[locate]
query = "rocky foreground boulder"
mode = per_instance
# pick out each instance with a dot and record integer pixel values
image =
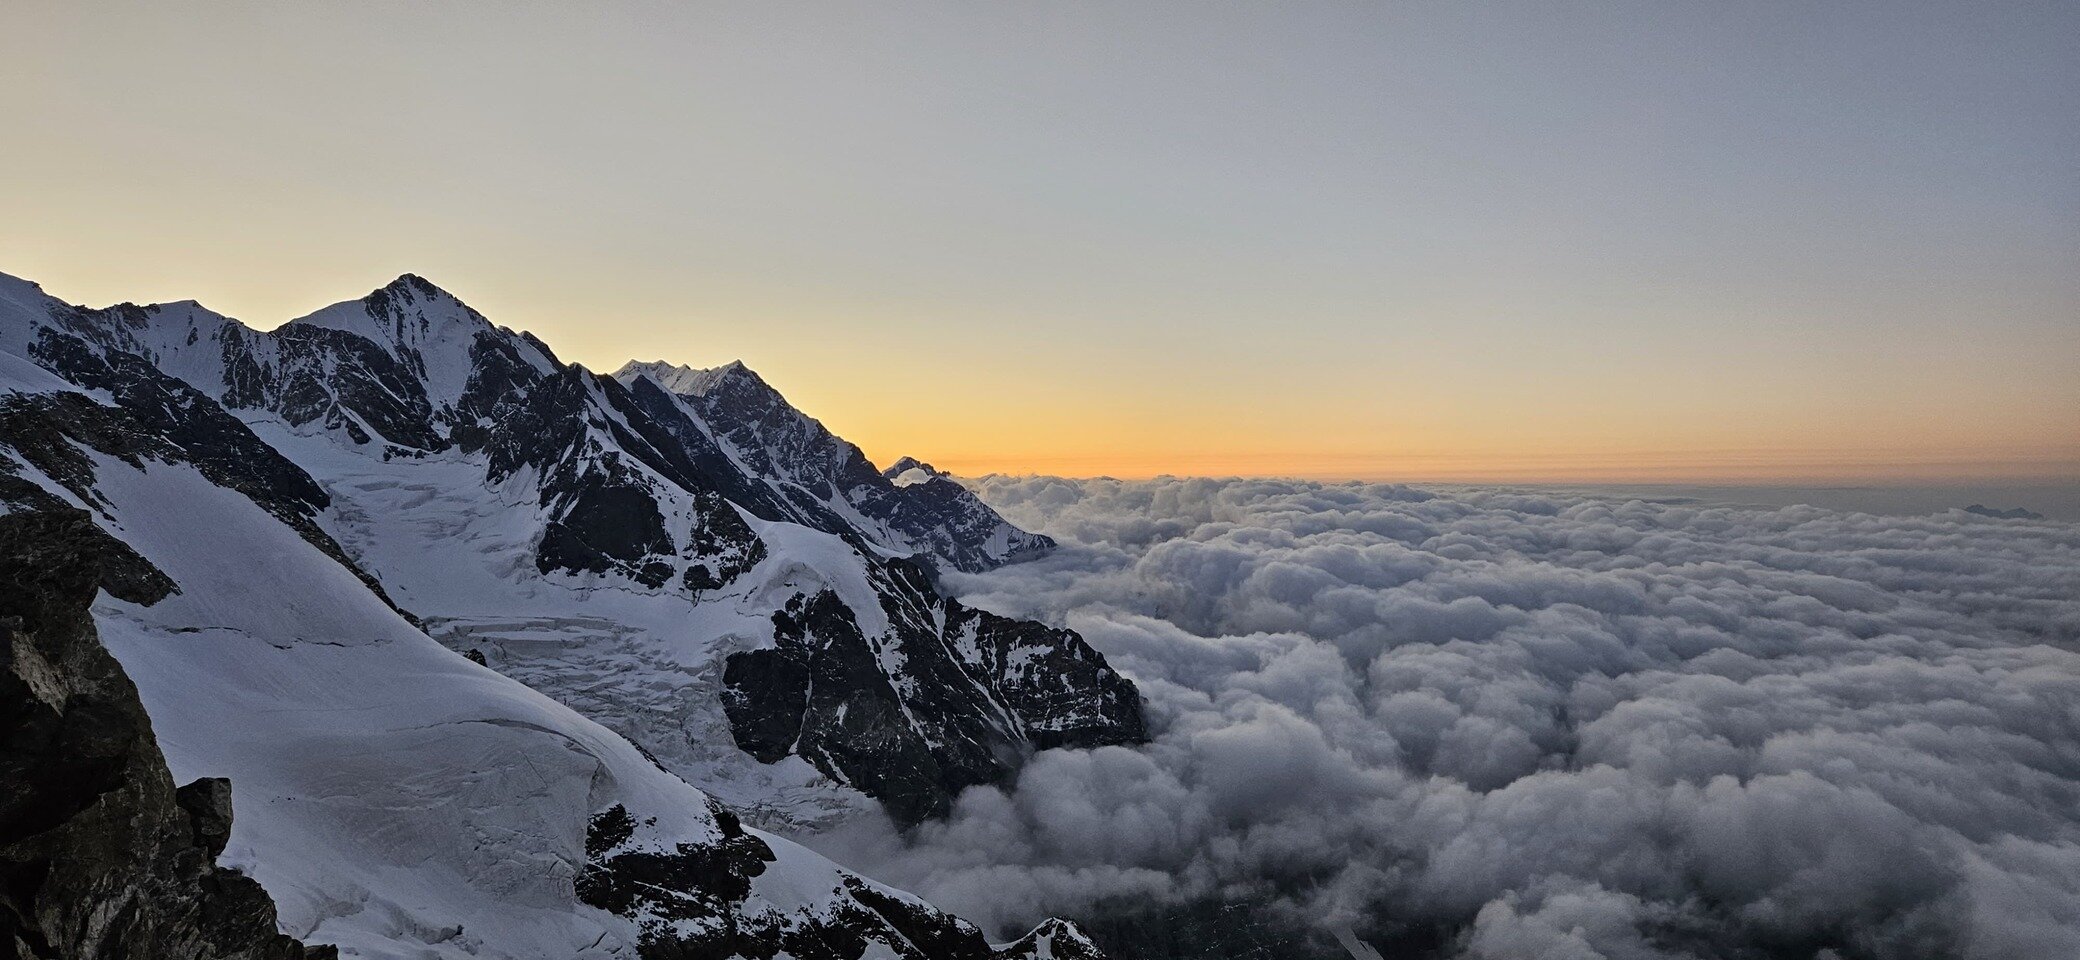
(101, 856)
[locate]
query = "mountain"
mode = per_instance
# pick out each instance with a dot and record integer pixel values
(824, 482)
(685, 602)
(2011, 513)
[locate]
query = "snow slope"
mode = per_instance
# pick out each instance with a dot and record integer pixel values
(398, 456)
(644, 661)
(395, 798)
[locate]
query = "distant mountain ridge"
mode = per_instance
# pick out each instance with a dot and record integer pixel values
(442, 375)
(676, 554)
(2010, 513)
(816, 473)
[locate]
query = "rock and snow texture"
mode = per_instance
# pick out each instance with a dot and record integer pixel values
(931, 698)
(435, 338)
(634, 503)
(325, 494)
(104, 858)
(399, 800)
(1052, 940)
(828, 483)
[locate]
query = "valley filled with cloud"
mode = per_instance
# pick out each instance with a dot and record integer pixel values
(1545, 725)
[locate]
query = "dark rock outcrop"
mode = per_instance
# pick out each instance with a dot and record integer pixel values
(153, 417)
(796, 469)
(952, 698)
(820, 694)
(310, 374)
(100, 855)
(1052, 940)
(687, 902)
(603, 473)
(947, 519)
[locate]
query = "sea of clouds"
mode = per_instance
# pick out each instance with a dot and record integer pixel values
(1557, 726)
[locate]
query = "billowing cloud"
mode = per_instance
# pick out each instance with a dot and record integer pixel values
(1556, 726)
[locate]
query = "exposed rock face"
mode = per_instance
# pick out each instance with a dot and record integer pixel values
(688, 901)
(943, 516)
(153, 417)
(158, 416)
(606, 486)
(100, 856)
(814, 477)
(953, 698)
(820, 694)
(1052, 940)
(316, 375)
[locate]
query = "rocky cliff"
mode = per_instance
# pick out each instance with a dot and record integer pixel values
(101, 856)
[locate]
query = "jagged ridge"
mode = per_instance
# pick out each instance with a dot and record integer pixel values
(609, 485)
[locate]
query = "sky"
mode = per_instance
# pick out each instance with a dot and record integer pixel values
(1757, 242)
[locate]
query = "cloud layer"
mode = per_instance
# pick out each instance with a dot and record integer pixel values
(1561, 727)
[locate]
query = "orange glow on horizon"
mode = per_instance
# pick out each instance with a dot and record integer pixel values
(1320, 420)
(1023, 250)
(1730, 467)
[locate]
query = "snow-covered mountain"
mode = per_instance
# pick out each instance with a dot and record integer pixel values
(693, 601)
(824, 482)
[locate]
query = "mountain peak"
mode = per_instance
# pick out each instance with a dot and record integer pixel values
(424, 327)
(412, 283)
(10, 280)
(402, 312)
(413, 294)
(671, 376)
(910, 470)
(687, 380)
(733, 374)
(1054, 938)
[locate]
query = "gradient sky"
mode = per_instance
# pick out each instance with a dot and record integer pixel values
(1543, 241)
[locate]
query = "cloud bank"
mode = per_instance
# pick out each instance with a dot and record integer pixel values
(1554, 726)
